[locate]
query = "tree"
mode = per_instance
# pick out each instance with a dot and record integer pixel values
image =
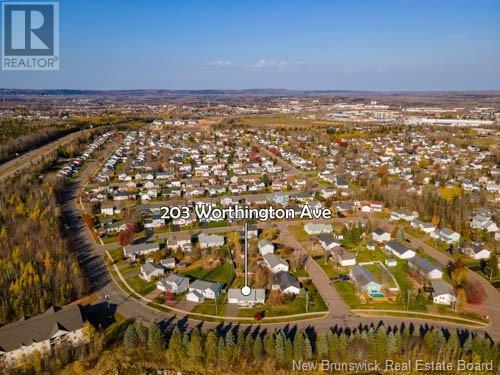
(298, 345)
(298, 259)
(142, 333)
(308, 354)
(257, 348)
(280, 348)
(211, 347)
(125, 237)
(156, 341)
(493, 264)
(474, 292)
(130, 338)
(322, 346)
(195, 348)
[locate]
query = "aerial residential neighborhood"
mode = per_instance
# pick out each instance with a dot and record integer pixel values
(264, 187)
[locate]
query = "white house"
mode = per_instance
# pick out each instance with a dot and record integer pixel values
(328, 241)
(133, 250)
(201, 289)
(317, 228)
(275, 263)
(286, 283)
(403, 215)
(379, 235)
(343, 257)
(446, 235)
(443, 293)
(210, 240)
(150, 271)
(399, 250)
(265, 247)
(173, 283)
(476, 251)
(425, 268)
(256, 296)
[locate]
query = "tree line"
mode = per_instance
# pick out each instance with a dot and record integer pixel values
(228, 350)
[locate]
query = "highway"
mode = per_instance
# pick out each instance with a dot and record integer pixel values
(90, 256)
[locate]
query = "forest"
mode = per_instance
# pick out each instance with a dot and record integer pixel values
(227, 350)
(38, 268)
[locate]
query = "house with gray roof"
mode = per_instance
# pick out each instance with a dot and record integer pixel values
(149, 271)
(364, 280)
(286, 283)
(256, 296)
(275, 262)
(399, 250)
(132, 251)
(173, 283)
(201, 289)
(443, 293)
(43, 333)
(210, 240)
(426, 268)
(265, 247)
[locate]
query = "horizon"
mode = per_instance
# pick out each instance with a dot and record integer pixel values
(303, 46)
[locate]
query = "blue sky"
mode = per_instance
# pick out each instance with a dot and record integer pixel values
(309, 44)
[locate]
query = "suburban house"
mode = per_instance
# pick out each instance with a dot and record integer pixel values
(275, 263)
(399, 250)
(443, 293)
(483, 222)
(317, 228)
(286, 283)
(446, 235)
(168, 263)
(133, 250)
(256, 296)
(43, 333)
(379, 235)
(180, 241)
(265, 247)
(210, 240)
(425, 268)
(327, 241)
(107, 208)
(150, 271)
(201, 289)
(173, 283)
(403, 215)
(475, 250)
(364, 280)
(423, 226)
(343, 257)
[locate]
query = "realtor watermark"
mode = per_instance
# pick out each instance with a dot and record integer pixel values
(394, 367)
(30, 35)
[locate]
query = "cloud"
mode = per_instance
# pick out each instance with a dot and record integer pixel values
(264, 63)
(221, 63)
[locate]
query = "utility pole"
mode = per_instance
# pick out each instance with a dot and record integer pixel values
(408, 300)
(307, 301)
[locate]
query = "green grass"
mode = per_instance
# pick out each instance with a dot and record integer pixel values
(348, 293)
(208, 306)
(223, 273)
(328, 267)
(141, 286)
(116, 254)
(365, 255)
(381, 274)
(301, 272)
(298, 232)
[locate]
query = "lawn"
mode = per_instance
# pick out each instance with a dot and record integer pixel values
(116, 254)
(365, 255)
(223, 273)
(208, 306)
(295, 306)
(381, 274)
(298, 232)
(328, 267)
(140, 286)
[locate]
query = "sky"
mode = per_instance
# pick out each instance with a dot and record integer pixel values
(310, 44)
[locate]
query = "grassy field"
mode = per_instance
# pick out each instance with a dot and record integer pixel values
(140, 286)
(328, 267)
(223, 273)
(298, 232)
(365, 255)
(208, 306)
(116, 254)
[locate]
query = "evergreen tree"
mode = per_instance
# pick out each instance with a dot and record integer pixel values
(288, 350)
(429, 342)
(343, 345)
(221, 351)
(298, 345)
(130, 338)
(280, 348)
(333, 345)
(156, 341)
(211, 348)
(248, 346)
(142, 333)
(381, 343)
(257, 348)
(195, 349)
(391, 344)
(175, 351)
(230, 348)
(269, 345)
(322, 346)
(308, 354)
